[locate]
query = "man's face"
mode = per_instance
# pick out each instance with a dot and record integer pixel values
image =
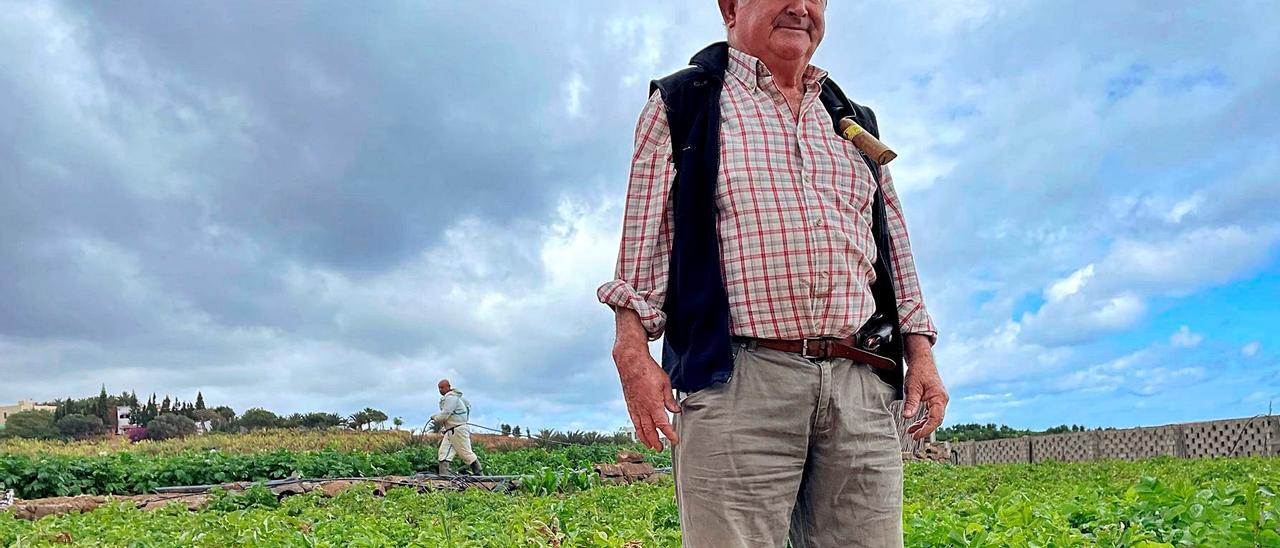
(786, 29)
(444, 388)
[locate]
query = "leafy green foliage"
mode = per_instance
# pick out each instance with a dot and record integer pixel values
(47, 475)
(257, 418)
(1161, 502)
(169, 426)
(32, 425)
(554, 438)
(366, 417)
(1157, 503)
(990, 431)
(603, 517)
(79, 426)
(256, 496)
(547, 481)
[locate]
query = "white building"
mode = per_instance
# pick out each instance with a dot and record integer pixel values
(123, 420)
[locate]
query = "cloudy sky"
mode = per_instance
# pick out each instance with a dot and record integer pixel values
(317, 207)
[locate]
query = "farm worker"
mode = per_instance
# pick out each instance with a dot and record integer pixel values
(454, 413)
(773, 255)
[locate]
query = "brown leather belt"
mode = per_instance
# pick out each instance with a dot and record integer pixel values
(821, 349)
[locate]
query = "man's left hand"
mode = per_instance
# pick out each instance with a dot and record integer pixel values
(923, 383)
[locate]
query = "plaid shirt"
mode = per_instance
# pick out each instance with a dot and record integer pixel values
(794, 216)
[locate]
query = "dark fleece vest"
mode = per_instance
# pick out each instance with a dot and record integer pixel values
(698, 348)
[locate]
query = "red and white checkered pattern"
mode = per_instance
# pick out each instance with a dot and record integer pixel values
(795, 214)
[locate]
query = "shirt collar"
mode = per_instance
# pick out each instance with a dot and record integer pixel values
(753, 72)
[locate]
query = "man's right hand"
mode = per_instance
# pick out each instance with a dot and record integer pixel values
(645, 385)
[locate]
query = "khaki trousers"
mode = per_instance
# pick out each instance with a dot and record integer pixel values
(789, 449)
(457, 441)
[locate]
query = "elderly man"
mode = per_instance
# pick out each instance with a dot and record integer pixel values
(452, 420)
(773, 255)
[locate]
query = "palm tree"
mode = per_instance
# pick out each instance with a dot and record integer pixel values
(373, 415)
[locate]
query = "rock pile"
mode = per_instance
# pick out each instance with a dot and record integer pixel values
(631, 468)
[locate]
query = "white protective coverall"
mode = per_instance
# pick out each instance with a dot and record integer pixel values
(452, 418)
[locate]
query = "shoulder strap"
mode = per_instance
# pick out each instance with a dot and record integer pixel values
(882, 290)
(839, 106)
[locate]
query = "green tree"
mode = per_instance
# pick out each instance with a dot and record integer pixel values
(31, 424)
(398, 422)
(149, 411)
(228, 414)
(366, 417)
(321, 420)
(292, 420)
(259, 418)
(375, 416)
(199, 400)
(79, 426)
(208, 415)
(102, 404)
(358, 419)
(515, 431)
(169, 426)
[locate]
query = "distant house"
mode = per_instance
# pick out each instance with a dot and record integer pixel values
(627, 431)
(123, 420)
(22, 405)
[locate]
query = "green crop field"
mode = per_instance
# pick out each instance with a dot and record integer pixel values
(1163, 502)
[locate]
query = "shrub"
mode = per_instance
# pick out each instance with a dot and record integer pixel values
(31, 424)
(169, 426)
(78, 426)
(136, 434)
(258, 418)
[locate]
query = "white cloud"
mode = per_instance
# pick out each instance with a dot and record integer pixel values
(1111, 295)
(573, 91)
(1107, 167)
(1185, 338)
(1190, 260)
(1069, 286)
(1183, 208)
(1258, 396)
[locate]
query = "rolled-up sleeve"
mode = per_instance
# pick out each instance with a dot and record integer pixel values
(644, 255)
(912, 314)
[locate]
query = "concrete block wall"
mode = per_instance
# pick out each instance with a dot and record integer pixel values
(1064, 447)
(1250, 437)
(1002, 451)
(1139, 443)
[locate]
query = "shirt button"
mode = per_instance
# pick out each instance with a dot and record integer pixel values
(818, 223)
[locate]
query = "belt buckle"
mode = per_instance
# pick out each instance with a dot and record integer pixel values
(804, 349)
